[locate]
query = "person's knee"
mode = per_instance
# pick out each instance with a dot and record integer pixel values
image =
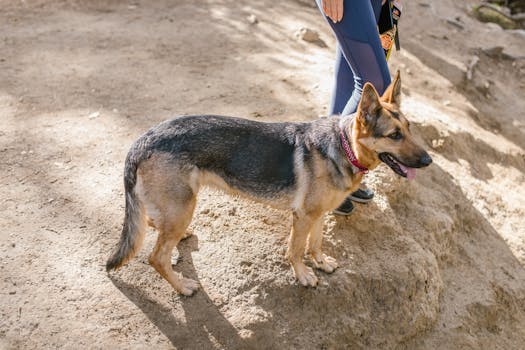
(380, 83)
(380, 87)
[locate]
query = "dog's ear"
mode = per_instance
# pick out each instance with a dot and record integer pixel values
(393, 92)
(369, 105)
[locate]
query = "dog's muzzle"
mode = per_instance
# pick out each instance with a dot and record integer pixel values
(403, 169)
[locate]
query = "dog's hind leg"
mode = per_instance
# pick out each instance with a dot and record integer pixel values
(302, 224)
(315, 242)
(175, 216)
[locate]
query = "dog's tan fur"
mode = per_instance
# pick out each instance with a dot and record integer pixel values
(168, 194)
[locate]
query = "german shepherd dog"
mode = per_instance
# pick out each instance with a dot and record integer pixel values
(308, 168)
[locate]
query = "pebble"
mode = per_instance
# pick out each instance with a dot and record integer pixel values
(252, 19)
(455, 23)
(94, 115)
(307, 35)
(437, 143)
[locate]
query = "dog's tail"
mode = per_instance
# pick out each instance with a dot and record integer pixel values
(134, 227)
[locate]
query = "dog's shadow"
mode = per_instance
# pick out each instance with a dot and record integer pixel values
(205, 326)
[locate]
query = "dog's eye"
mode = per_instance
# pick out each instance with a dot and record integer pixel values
(396, 135)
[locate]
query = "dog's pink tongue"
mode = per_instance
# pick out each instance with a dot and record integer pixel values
(411, 172)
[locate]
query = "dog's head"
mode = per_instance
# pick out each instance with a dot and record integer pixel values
(384, 132)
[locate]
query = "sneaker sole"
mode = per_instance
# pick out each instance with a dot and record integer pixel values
(342, 213)
(360, 200)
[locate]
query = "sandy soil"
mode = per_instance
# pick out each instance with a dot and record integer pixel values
(436, 263)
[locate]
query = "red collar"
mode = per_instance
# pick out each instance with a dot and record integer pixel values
(350, 154)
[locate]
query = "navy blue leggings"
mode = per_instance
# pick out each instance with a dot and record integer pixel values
(360, 56)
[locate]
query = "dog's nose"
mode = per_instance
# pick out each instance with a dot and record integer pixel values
(425, 160)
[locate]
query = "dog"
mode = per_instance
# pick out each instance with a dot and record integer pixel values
(308, 168)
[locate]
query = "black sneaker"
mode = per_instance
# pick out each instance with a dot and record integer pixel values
(362, 196)
(346, 208)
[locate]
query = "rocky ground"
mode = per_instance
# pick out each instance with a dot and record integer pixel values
(437, 263)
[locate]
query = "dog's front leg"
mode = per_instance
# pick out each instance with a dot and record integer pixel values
(302, 224)
(315, 242)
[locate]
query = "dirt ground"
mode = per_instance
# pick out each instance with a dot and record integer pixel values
(437, 263)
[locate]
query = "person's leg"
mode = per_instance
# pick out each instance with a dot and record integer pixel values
(343, 84)
(343, 75)
(347, 87)
(361, 47)
(376, 6)
(363, 194)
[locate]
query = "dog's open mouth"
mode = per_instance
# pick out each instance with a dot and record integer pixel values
(400, 169)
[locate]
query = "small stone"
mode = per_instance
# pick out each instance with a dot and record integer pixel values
(94, 115)
(455, 23)
(307, 35)
(252, 19)
(438, 143)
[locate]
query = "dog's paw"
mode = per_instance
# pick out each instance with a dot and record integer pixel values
(326, 263)
(305, 275)
(187, 286)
